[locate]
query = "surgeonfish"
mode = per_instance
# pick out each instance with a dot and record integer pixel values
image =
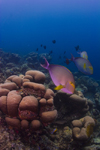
(83, 54)
(83, 65)
(61, 77)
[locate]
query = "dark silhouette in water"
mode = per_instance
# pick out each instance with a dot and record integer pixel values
(64, 52)
(37, 49)
(0, 49)
(41, 45)
(59, 57)
(67, 61)
(44, 47)
(77, 48)
(0, 59)
(53, 41)
(50, 52)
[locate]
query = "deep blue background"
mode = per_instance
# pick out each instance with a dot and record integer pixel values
(26, 24)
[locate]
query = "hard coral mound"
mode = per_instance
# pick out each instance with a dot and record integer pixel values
(26, 102)
(83, 128)
(71, 107)
(77, 102)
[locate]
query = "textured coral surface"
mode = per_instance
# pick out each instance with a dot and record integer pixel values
(33, 117)
(22, 101)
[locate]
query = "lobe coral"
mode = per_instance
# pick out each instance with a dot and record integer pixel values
(25, 101)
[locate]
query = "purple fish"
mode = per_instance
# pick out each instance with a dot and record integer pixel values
(61, 77)
(83, 65)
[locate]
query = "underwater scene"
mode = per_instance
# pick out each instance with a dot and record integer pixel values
(49, 75)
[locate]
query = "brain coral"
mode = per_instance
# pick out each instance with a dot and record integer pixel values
(26, 102)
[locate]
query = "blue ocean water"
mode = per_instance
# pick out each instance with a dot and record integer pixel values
(26, 24)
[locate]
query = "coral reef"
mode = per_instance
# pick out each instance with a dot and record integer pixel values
(29, 107)
(76, 106)
(11, 63)
(26, 102)
(86, 84)
(83, 128)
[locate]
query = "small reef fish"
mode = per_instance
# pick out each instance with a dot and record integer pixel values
(11, 71)
(44, 47)
(82, 64)
(59, 57)
(67, 61)
(50, 52)
(83, 54)
(54, 130)
(53, 41)
(64, 52)
(77, 48)
(20, 91)
(61, 77)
